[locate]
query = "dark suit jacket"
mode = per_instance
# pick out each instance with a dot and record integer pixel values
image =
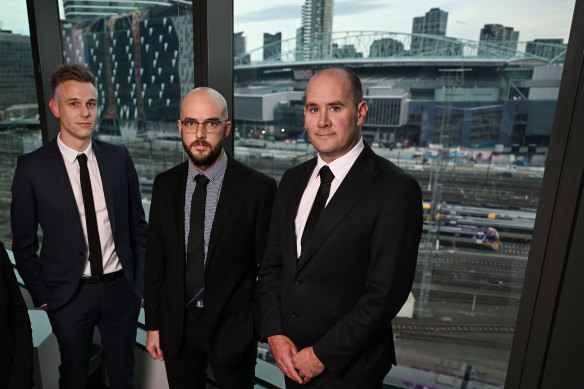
(356, 273)
(15, 334)
(236, 246)
(42, 195)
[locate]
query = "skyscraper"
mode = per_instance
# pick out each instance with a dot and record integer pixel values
(498, 39)
(546, 48)
(317, 26)
(239, 49)
(272, 46)
(141, 69)
(432, 23)
(345, 51)
(17, 84)
(385, 47)
(298, 55)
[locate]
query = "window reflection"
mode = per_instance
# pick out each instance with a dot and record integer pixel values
(469, 117)
(142, 58)
(19, 118)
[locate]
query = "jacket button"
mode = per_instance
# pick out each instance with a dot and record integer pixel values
(297, 282)
(294, 315)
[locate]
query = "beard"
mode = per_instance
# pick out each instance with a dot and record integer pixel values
(204, 161)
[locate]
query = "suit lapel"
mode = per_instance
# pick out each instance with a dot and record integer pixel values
(294, 202)
(62, 179)
(356, 182)
(106, 182)
(230, 191)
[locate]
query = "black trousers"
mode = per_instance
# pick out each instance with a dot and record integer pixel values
(188, 369)
(114, 308)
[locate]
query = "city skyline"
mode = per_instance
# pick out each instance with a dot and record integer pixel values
(465, 20)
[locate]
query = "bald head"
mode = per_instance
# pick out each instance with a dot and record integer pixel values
(207, 96)
(343, 74)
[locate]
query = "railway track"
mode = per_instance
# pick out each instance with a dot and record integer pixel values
(478, 335)
(453, 328)
(467, 260)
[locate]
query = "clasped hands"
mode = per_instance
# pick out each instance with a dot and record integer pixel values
(300, 366)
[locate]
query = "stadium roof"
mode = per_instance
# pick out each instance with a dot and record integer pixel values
(380, 47)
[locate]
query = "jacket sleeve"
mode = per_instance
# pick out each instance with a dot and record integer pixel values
(155, 271)
(270, 275)
(262, 227)
(24, 223)
(390, 274)
(138, 225)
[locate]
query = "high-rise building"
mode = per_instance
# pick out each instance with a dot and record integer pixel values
(78, 10)
(17, 86)
(239, 49)
(432, 23)
(142, 72)
(272, 46)
(385, 47)
(317, 26)
(299, 39)
(498, 40)
(546, 48)
(345, 51)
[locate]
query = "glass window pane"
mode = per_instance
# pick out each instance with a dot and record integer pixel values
(19, 118)
(142, 56)
(461, 98)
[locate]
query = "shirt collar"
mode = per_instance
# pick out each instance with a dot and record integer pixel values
(340, 166)
(70, 155)
(214, 173)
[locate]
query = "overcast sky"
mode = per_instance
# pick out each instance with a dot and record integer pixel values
(532, 18)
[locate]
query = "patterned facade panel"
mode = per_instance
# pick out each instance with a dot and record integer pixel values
(136, 59)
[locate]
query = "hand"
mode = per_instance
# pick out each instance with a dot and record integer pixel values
(44, 308)
(283, 350)
(153, 345)
(307, 364)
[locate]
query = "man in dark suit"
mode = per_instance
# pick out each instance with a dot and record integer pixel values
(85, 196)
(208, 225)
(334, 276)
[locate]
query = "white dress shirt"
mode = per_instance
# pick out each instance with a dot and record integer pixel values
(340, 167)
(111, 262)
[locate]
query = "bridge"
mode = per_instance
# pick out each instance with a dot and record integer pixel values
(383, 47)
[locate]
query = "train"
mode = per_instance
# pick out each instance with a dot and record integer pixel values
(513, 231)
(514, 226)
(463, 236)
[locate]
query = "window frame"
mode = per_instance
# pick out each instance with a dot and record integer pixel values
(557, 216)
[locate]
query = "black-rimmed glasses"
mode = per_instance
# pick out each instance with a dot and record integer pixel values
(209, 125)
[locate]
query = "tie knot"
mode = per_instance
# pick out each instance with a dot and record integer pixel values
(326, 176)
(82, 159)
(201, 179)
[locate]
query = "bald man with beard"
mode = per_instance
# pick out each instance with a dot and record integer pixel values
(209, 221)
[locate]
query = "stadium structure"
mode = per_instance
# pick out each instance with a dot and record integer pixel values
(442, 92)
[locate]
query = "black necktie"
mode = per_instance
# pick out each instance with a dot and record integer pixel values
(95, 259)
(326, 177)
(195, 267)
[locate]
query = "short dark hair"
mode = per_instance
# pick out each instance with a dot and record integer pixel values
(75, 72)
(356, 86)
